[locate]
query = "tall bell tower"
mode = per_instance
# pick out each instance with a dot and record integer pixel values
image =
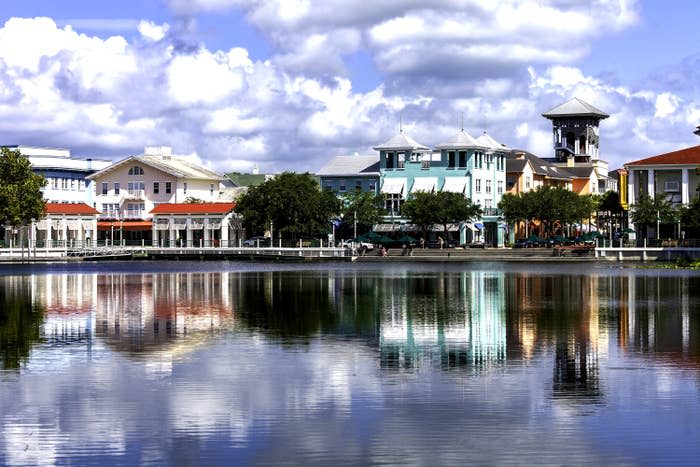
(575, 130)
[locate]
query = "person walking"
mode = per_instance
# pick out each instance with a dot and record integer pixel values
(440, 241)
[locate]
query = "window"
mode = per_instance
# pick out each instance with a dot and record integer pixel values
(488, 203)
(393, 203)
(462, 159)
(184, 187)
(136, 188)
(390, 160)
(671, 186)
(116, 188)
(415, 157)
(327, 186)
(211, 189)
(373, 186)
(342, 186)
(510, 182)
(500, 186)
(54, 184)
(451, 159)
(528, 182)
(156, 188)
(358, 185)
(488, 186)
(105, 188)
(136, 170)
(72, 184)
(401, 160)
(168, 188)
(478, 185)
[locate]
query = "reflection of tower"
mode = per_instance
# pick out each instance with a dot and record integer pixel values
(576, 371)
(487, 324)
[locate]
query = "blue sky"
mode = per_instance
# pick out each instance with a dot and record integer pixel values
(286, 84)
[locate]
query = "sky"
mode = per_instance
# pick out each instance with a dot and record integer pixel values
(288, 84)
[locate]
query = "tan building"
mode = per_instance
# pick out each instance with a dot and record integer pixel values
(128, 190)
(526, 172)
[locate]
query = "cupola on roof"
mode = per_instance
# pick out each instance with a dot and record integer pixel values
(485, 140)
(400, 141)
(460, 140)
(575, 108)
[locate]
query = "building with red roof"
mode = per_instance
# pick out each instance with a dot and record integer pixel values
(674, 175)
(65, 224)
(196, 224)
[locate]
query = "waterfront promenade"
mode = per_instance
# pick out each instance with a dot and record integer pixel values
(602, 253)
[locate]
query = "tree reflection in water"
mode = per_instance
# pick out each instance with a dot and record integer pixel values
(20, 322)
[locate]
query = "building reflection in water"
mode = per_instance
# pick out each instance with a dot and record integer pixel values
(454, 319)
(460, 320)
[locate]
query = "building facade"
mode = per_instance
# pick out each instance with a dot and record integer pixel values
(128, 190)
(344, 174)
(196, 225)
(66, 176)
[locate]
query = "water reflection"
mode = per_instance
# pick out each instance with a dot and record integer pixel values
(362, 366)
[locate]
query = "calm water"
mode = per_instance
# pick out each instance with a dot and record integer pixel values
(235, 363)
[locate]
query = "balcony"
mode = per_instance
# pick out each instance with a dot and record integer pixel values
(491, 211)
(109, 215)
(134, 194)
(563, 145)
(135, 214)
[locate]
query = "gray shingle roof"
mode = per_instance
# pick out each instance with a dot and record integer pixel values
(460, 140)
(574, 107)
(539, 165)
(400, 141)
(351, 165)
(486, 140)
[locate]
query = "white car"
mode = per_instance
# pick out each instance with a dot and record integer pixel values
(257, 242)
(353, 244)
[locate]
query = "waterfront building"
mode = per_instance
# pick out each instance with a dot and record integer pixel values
(344, 174)
(526, 172)
(673, 175)
(474, 168)
(65, 224)
(576, 134)
(128, 190)
(196, 224)
(66, 175)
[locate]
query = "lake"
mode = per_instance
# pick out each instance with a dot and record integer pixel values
(236, 363)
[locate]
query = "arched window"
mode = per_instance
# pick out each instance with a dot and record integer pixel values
(136, 170)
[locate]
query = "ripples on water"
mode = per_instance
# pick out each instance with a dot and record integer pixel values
(234, 363)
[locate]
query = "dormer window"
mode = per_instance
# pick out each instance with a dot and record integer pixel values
(136, 170)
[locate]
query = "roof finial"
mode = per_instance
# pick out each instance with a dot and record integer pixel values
(462, 123)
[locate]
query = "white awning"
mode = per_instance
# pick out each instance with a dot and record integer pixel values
(471, 227)
(393, 185)
(426, 184)
(455, 184)
(385, 227)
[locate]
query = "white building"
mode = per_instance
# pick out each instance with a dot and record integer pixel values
(66, 176)
(128, 190)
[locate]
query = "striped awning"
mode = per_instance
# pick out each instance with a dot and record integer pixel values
(426, 184)
(455, 184)
(394, 186)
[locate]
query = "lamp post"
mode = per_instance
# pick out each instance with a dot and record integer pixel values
(111, 236)
(658, 224)
(354, 224)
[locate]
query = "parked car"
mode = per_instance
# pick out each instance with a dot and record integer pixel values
(353, 244)
(436, 244)
(525, 243)
(476, 245)
(256, 241)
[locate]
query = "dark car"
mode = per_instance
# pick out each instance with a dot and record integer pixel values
(257, 242)
(525, 243)
(436, 244)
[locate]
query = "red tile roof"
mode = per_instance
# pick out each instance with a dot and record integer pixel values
(70, 209)
(193, 208)
(681, 157)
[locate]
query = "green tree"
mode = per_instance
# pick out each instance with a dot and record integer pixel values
(647, 211)
(292, 202)
(21, 199)
(364, 207)
(193, 200)
(690, 218)
(442, 208)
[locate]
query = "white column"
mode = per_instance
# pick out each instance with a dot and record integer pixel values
(631, 193)
(64, 231)
(207, 236)
(173, 234)
(224, 230)
(154, 230)
(651, 190)
(188, 232)
(685, 192)
(94, 230)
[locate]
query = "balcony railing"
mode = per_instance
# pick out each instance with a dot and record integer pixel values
(491, 211)
(564, 145)
(135, 194)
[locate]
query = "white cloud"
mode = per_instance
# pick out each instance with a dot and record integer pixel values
(152, 31)
(666, 105)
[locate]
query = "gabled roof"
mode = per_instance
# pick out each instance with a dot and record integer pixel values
(539, 166)
(351, 165)
(460, 140)
(174, 166)
(80, 209)
(193, 208)
(400, 141)
(575, 107)
(581, 172)
(687, 156)
(485, 140)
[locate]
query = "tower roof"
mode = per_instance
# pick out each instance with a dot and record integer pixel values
(575, 107)
(485, 140)
(400, 141)
(460, 140)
